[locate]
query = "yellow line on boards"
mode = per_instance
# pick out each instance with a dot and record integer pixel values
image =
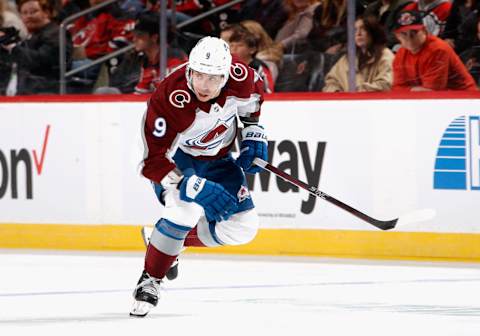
(301, 242)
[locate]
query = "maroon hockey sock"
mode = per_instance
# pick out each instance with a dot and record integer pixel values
(192, 239)
(157, 263)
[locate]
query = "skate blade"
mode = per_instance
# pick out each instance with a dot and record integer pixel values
(140, 309)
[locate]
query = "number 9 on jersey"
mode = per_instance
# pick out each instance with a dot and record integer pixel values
(160, 127)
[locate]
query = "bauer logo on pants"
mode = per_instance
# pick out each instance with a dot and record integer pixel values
(457, 164)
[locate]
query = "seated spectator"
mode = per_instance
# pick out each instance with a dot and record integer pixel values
(304, 69)
(271, 14)
(97, 34)
(269, 52)
(33, 63)
(244, 46)
(9, 18)
(471, 56)
(298, 25)
(139, 71)
(425, 62)
(328, 33)
(374, 61)
(386, 11)
(435, 14)
(461, 27)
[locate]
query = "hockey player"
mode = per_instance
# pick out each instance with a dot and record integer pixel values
(189, 129)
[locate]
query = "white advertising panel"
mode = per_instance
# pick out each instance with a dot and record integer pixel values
(75, 163)
(70, 163)
(382, 157)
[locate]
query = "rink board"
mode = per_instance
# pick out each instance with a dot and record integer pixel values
(69, 178)
(331, 243)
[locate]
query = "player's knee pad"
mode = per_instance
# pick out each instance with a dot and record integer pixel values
(240, 229)
(168, 237)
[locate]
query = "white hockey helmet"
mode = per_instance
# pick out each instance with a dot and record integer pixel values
(210, 55)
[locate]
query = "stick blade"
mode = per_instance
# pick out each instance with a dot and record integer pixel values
(385, 225)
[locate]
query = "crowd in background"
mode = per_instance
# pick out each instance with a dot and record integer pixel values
(294, 45)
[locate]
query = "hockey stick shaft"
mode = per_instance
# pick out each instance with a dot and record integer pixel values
(383, 225)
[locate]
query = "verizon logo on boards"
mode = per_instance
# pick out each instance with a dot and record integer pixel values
(19, 163)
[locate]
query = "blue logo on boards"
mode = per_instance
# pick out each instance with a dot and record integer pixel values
(457, 164)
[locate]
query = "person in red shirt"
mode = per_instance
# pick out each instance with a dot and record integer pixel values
(425, 62)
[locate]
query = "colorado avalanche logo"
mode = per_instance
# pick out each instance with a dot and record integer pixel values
(238, 72)
(243, 194)
(211, 138)
(179, 98)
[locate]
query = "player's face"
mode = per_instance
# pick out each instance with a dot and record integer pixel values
(206, 86)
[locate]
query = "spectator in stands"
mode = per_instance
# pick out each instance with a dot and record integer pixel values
(304, 69)
(298, 25)
(425, 62)
(139, 71)
(244, 46)
(97, 34)
(386, 11)
(33, 63)
(374, 61)
(271, 14)
(269, 52)
(435, 14)
(328, 33)
(9, 18)
(461, 27)
(471, 56)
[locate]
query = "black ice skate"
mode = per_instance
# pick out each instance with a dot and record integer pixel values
(172, 272)
(146, 295)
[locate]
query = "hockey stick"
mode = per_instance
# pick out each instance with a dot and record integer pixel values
(383, 225)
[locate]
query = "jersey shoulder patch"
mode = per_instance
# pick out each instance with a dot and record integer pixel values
(239, 71)
(173, 99)
(241, 81)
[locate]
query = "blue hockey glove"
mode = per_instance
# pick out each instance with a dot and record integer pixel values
(254, 144)
(217, 202)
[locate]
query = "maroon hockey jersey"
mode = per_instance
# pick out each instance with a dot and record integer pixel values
(175, 118)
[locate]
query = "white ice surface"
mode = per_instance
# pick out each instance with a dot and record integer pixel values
(90, 294)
